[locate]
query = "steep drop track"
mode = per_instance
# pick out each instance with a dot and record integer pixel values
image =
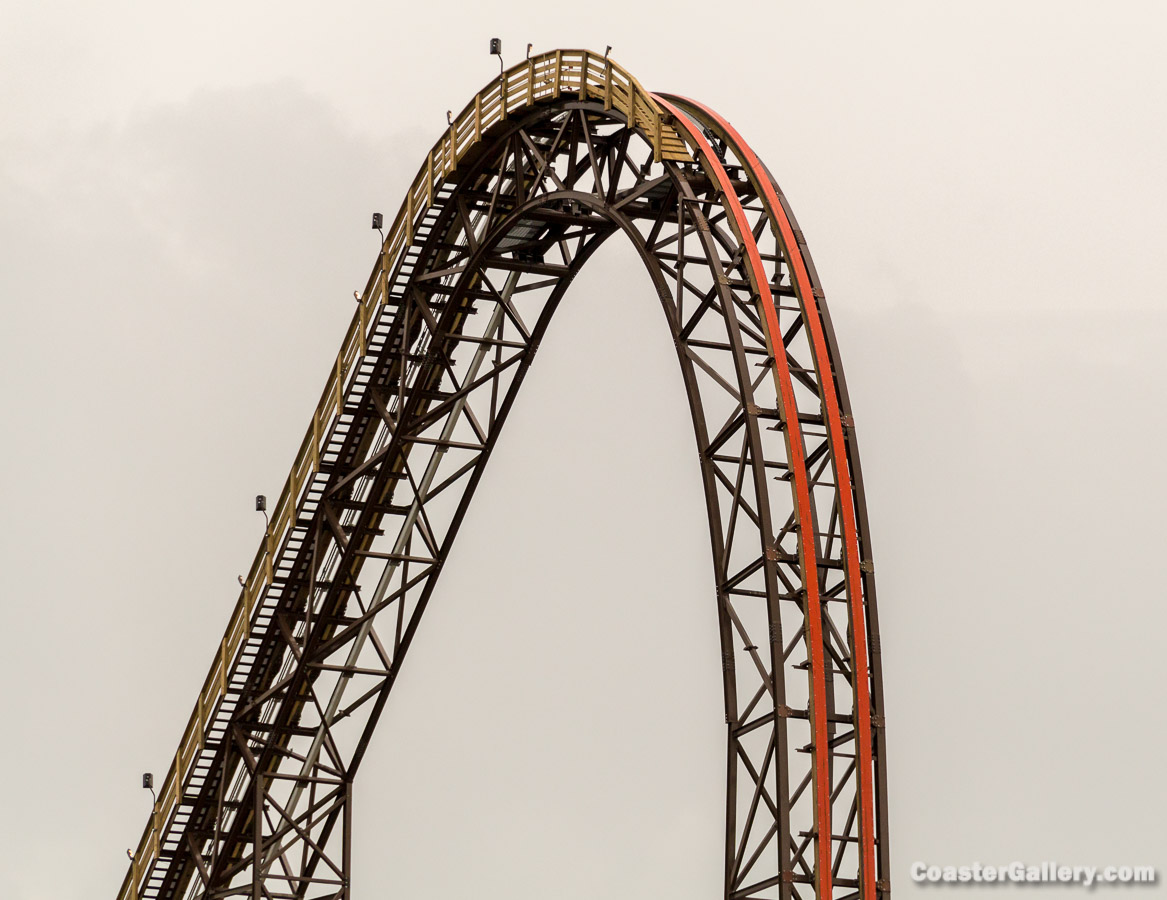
(548, 161)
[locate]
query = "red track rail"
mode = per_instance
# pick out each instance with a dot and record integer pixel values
(780, 221)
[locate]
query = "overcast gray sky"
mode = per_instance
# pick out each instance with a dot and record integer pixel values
(184, 202)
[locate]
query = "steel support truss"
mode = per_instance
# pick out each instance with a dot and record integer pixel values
(505, 212)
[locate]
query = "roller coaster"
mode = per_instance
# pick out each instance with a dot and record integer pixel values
(554, 156)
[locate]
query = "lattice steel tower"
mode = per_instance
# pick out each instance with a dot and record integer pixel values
(553, 157)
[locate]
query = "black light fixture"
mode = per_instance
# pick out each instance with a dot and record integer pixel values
(378, 221)
(260, 503)
(148, 784)
(496, 50)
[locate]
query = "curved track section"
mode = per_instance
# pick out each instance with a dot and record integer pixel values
(546, 163)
